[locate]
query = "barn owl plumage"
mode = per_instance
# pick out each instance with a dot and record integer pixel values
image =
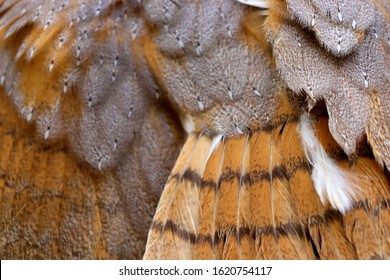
(279, 110)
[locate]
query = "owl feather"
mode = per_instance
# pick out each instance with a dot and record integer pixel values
(76, 152)
(283, 189)
(347, 44)
(284, 104)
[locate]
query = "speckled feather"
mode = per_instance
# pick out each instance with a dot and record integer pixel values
(354, 68)
(84, 87)
(95, 146)
(254, 198)
(102, 85)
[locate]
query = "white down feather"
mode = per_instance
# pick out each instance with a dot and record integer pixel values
(332, 183)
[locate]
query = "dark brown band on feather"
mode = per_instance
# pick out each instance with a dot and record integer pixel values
(278, 172)
(365, 205)
(287, 229)
(376, 257)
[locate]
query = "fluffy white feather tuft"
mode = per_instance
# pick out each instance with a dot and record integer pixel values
(187, 123)
(332, 183)
(256, 3)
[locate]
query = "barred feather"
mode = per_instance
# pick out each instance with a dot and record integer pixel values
(255, 199)
(366, 224)
(100, 88)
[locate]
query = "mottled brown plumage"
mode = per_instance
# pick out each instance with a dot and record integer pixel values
(285, 105)
(82, 173)
(255, 199)
(52, 206)
(354, 65)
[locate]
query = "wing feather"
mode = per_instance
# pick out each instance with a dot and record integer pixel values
(337, 53)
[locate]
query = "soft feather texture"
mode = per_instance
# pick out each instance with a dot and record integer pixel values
(109, 81)
(338, 53)
(86, 186)
(256, 3)
(331, 182)
(254, 198)
(366, 224)
(75, 77)
(222, 98)
(54, 207)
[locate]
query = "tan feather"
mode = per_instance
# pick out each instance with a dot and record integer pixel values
(207, 241)
(246, 207)
(257, 200)
(367, 235)
(176, 220)
(54, 207)
(263, 173)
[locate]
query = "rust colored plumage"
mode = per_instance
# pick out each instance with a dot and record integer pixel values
(88, 149)
(285, 108)
(255, 199)
(54, 207)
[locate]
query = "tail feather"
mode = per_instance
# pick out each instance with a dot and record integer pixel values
(175, 225)
(289, 242)
(260, 192)
(329, 238)
(235, 217)
(205, 245)
(254, 198)
(244, 229)
(368, 224)
(360, 225)
(227, 216)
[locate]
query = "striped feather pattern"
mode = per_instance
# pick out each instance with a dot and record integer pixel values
(367, 225)
(254, 199)
(90, 100)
